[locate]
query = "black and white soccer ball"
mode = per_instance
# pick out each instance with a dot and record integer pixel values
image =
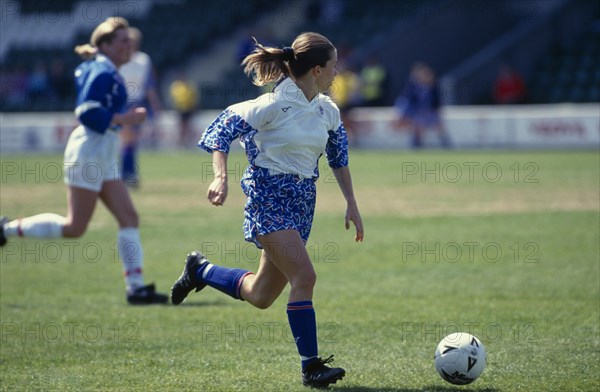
(460, 358)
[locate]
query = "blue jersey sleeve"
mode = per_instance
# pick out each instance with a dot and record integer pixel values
(93, 111)
(337, 148)
(223, 131)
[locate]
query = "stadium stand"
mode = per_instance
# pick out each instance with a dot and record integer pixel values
(400, 33)
(348, 24)
(34, 34)
(37, 36)
(571, 73)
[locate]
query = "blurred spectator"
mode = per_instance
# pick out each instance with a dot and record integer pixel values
(38, 88)
(331, 12)
(345, 92)
(138, 75)
(14, 85)
(373, 77)
(185, 100)
(60, 80)
(419, 105)
(509, 87)
(4, 88)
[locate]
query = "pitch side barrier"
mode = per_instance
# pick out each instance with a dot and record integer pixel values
(469, 127)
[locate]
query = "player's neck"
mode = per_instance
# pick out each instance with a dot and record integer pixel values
(308, 86)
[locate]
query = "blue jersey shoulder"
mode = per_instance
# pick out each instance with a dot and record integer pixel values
(99, 81)
(100, 93)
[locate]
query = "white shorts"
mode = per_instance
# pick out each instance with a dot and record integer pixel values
(91, 158)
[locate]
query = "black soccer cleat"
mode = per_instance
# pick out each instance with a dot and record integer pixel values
(317, 375)
(3, 221)
(187, 281)
(146, 295)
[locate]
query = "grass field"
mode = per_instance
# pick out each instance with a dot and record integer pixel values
(504, 245)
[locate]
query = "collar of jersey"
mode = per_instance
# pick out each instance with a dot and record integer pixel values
(103, 59)
(289, 91)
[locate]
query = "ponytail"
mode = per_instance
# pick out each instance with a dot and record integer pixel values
(86, 51)
(268, 64)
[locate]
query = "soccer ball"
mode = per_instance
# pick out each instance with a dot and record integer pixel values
(460, 358)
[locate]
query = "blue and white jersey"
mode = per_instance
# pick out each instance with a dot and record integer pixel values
(282, 131)
(100, 93)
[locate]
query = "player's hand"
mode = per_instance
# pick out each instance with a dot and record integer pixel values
(353, 215)
(139, 115)
(217, 192)
(131, 117)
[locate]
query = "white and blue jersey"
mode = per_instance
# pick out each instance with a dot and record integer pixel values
(100, 93)
(282, 132)
(284, 136)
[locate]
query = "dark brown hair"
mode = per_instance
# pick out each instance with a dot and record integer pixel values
(268, 64)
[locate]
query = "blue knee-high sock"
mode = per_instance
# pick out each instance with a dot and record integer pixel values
(226, 280)
(128, 162)
(303, 322)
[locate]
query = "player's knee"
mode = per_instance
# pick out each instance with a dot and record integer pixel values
(305, 280)
(264, 301)
(74, 229)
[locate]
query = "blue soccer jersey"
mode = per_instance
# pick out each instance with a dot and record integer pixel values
(100, 93)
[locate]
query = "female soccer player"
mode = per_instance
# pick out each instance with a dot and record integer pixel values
(91, 158)
(284, 134)
(138, 76)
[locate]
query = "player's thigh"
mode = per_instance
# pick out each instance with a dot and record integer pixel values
(287, 252)
(115, 196)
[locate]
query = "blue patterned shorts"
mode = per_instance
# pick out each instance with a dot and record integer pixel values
(277, 202)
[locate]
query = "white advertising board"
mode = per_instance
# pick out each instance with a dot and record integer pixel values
(525, 126)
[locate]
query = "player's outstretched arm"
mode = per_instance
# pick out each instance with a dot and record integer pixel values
(344, 179)
(217, 190)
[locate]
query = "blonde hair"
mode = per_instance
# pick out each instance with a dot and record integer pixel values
(268, 64)
(103, 33)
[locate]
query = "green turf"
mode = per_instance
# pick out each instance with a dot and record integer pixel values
(504, 245)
